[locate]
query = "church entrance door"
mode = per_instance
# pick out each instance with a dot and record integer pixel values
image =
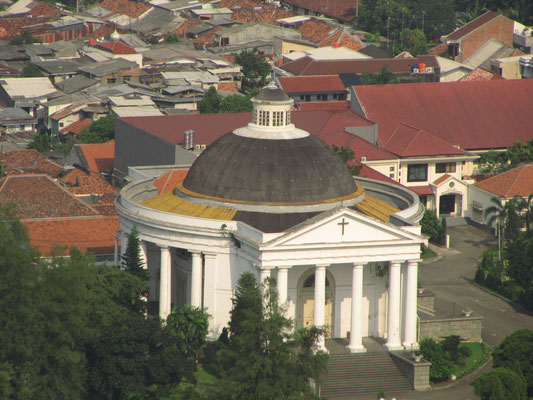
(306, 302)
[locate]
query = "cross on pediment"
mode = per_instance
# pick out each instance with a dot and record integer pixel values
(343, 224)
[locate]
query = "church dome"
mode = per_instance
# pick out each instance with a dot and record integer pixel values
(270, 162)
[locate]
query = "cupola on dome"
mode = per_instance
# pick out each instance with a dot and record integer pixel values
(269, 162)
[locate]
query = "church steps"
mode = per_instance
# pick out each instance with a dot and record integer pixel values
(357, 374)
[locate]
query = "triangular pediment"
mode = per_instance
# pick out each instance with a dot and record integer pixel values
(344, 226)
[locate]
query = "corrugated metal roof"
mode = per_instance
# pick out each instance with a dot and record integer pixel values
(28, 87)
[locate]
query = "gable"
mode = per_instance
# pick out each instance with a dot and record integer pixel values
(345, 226)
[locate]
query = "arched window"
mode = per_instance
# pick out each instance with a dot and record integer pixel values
(310, 281)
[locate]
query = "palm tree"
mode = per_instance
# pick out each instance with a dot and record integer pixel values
(497, 213)
(525, 207)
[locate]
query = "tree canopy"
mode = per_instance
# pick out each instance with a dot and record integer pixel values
(261, 358)
(213, 102)
(99, 131)
(254, 67)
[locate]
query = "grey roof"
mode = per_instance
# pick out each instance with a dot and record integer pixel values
(182, 88)
(490, 50)
(76, 83)
(374, 51)
(263, 170)
(134, 41)
(272, 93)
(66, 49)
(158, 21)
(14, 114)
(13, 53)
(53, 67)
(98, 11)
(74, 98)
(108, 67)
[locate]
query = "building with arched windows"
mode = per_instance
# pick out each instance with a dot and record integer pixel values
(272, 199)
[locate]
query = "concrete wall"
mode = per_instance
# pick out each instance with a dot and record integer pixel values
(469, 328)
(134, 146)
(257, 32)
(417, 373)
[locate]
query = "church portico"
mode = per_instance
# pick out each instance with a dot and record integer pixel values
(275, 201)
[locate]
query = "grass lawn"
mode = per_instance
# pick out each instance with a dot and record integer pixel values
(480, 354)
(427, 253)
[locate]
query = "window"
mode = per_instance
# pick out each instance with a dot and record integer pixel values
(391, 169)
(287, 117)
(61, 125)
(277, 118)
(263, 118)
(126, 78)
(417, 172)
(307, 97)
(111, 80)
(335, 96)
(441, 168)
(322, 97)
(302, 97)
(254, 118)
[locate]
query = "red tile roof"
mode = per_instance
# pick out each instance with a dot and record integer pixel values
(65, 112)
(343, 10)
(317, 31)
(80, 183)
(473, 115)
(103, 31)
(100, 157)
(43, 9)
(130, 8)
(311, 84)
(91, 234)
(76, 127)
(516, 182)
(38, 196)
(184, 27)
(371, 173)
(439, 50)
(266, 15)
(408, 141)
(349, 42)
(480, 74)
(472, 25)
(117, 47)
(322, 105)
(441, 179)
(422, 190)
(11, 27)
(169, 180)
(228, 86)
(17, 162)
(309, 66)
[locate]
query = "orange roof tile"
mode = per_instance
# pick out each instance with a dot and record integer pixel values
(11, 27)
(170, 180)
(100, 157)
(184, 27)
(228, 86)
(38, 196)
(516, 182)
(130, 8)
(316, 31)
(472, 25)
(480, 74)
(441, 179)
(422, 190)
(90, 234)
(43, 9)
(343, 10)
(76, 127)
(266, 15)
(103, 31)
(81, 183)
(17, 162)
(350, 42)
(208, 36)
(117, 47)
(438, 50)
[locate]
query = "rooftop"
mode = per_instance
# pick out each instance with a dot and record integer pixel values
(472, 115)
(17, 162)
(108, 67)
(311, 84)
(471, 26)
(117, 47)
(28, 87)
(516, 182)
(100, 157)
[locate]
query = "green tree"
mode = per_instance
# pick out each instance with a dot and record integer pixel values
(235, 103)
(99, 131)
(514, 353)
(432, 227)
(434, 17)
(31, 71)
(172, 38)
(500, 384)
(497, 213)
(384, 77)
(261, 359)
(513, 223)
(25, 38)
(189, 326)
(210, 104)
(131, 259)
(412, 40)
(441, 365)
(346, 155)
(40, 142)
(525, 208)
(254, 67)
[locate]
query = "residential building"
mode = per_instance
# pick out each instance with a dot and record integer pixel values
(15, 119)
(112, 71)
(463, 42)
(314, 88)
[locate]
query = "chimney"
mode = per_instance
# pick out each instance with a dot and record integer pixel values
(188, 140)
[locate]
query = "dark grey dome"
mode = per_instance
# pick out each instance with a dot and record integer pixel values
(272, 93)
(264, 170)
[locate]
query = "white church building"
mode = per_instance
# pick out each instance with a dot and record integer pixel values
(274, 200)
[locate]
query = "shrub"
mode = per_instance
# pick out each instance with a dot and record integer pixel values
(441, 365)
(500, 384)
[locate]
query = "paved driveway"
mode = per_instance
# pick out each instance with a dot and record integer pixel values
(450, 277)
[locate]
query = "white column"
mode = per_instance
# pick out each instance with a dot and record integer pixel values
(263, 274)
(165, 283)
(210, 295)
(123, 244)
(409, 317)
(283, 273)
(144, 253)
(393, 321)
(320, 302)
(196, 280)
(356, 340)
(116, 258)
